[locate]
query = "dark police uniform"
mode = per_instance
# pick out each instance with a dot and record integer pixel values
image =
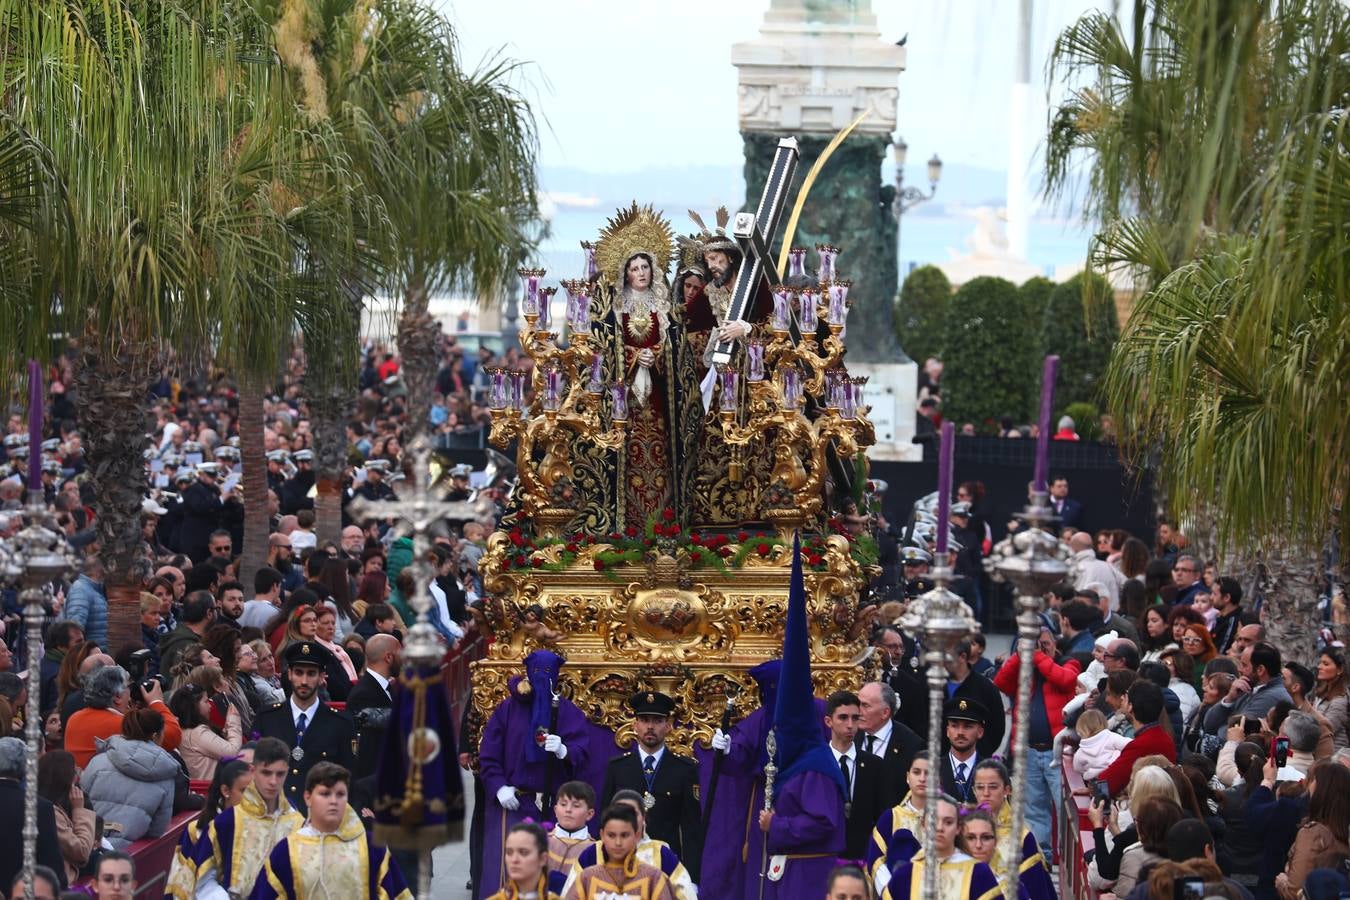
(671, 793)
(328, 736)
(962, 709)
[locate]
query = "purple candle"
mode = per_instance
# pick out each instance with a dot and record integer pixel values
(945, 449)
(34, 425)
(1047, 409)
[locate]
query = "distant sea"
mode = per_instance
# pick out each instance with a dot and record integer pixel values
(579, 202)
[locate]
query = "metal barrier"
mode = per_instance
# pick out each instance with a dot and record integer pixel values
(1075, 835)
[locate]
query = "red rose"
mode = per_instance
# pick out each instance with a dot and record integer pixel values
(813, 560)
(537, 561)
(759, 534)
(668, 514)
(516, 537)
(631, 531)
(742, 536)
(725, 552)
(599, 565)
(762, 549)
(695, 540)
(696, 556)
(571, 547)
(520, 559)
(615, 536)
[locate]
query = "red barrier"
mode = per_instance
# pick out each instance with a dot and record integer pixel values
(455, 672)
(153, 857)
(1075, 835)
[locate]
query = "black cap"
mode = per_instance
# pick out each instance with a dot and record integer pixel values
(651, 703)
(963, 709)
(307, 653)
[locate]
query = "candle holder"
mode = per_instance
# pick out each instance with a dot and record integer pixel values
(1033, 561)
(618, 402)
(546, 306)
(499, 394)
(837, 308)
(568, 385)
(589, 269)
(797, 265)
(754, 360)
(730, 382)
(806, 312)
(943, 619)
(828, 255)
(782, 313)
(529, 285)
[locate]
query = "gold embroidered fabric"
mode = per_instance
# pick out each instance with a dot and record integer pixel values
(332, 866)
(255, 834)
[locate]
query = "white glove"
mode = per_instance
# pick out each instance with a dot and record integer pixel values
(506, 797)
(721, 742)
(554, 744)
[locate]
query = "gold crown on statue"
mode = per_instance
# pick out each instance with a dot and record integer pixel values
(634, 230)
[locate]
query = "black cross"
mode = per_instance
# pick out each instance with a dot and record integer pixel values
(755, 235)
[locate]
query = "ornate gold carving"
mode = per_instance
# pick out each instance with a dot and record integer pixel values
(692, 634)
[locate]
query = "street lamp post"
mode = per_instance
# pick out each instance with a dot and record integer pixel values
(906, 198)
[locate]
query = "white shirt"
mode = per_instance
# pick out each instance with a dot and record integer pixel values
(381, 681)
(883, 739)
(969, 762)
(643, 756)
(851, 754)
(309, 713)
(581, 834)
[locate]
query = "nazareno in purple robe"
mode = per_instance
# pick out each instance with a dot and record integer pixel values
(808, 826)
(502, 761)
(731, 854)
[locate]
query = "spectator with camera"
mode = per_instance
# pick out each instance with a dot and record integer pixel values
(108, 695)
(203, 745)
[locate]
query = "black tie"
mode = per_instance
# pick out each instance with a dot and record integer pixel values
(871, 742)
(848, 785)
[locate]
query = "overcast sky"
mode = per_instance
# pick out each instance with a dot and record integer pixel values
(621, 85)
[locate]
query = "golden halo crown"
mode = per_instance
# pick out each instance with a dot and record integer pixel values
(636, 229)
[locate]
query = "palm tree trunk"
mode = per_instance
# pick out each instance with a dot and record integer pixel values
(329, 405)
(112, 383)
(417, 348)
(1289, 585)
(257, 517)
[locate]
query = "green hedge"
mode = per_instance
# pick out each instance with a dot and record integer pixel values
(990, 349)
(921, 311)
(1079, 323)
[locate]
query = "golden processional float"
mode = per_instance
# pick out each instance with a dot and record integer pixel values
(679, 595)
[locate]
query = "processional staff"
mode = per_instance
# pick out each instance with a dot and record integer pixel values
(770, 773)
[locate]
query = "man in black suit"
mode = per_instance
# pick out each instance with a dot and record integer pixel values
(866, 782)
(371, 697)
(964, 726)
(13, 756)
(881, 735)
(962, 682)
(314, 730)
(667, 782)
(902, 669)
(1069, 510)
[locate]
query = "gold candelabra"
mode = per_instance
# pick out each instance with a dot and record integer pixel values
(801, 401)
(565, 403)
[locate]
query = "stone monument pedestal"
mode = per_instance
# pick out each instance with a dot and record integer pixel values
(891, 391)
(815, 67)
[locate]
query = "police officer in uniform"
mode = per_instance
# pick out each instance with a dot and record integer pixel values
(315, 731)
(667, 782)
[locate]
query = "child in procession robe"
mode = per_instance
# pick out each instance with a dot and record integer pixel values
(237, 843)
(895, 839)
(618, 873)
(649, 850)
(960, 876)
(227, 789)
(571, 834)
(526, 855)
(331, 855)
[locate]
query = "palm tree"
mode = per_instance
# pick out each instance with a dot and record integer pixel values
(180, 162)
(449, 158)
(1216, 140)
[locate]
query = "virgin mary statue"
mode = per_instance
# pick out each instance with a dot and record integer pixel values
(635, 326)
